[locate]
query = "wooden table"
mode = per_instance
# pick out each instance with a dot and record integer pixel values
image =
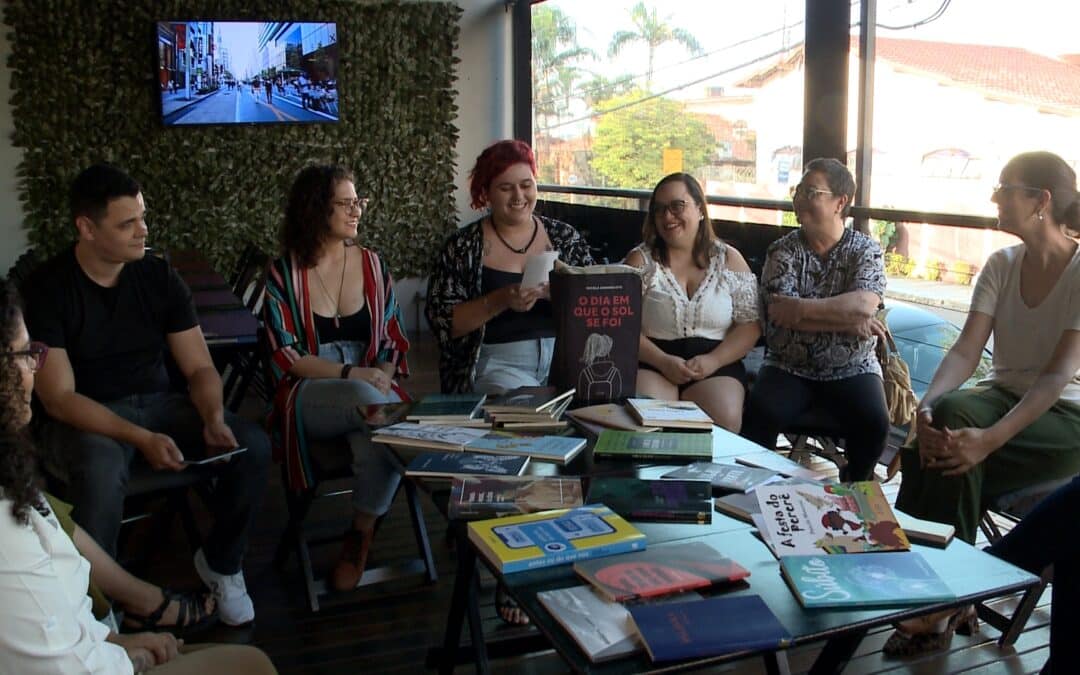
(973, 576)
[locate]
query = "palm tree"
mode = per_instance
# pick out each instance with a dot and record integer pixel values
(555, 54)
(653, 31)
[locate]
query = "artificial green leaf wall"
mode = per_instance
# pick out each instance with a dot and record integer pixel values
(85, 90)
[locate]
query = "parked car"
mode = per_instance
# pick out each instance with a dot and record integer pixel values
(923, 338)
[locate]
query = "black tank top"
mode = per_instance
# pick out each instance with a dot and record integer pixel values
(511, 326)
(353, 328)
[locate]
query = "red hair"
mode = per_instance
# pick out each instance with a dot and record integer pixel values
(495, 159)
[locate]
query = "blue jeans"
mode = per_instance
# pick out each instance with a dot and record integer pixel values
(97, 468)
(509, 365)
(329, 408)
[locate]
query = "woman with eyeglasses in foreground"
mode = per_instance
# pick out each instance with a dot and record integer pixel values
(1020, 426)
(821, 287)
(337, 343)
(699, 309)
(494, 335)
(48, 625)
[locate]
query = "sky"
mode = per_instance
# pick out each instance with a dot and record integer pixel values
(729, 31)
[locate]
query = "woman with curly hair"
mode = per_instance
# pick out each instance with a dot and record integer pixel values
(337, 342)
(44, 578)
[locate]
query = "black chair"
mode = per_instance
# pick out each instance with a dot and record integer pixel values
(331, 461)
(1014, 506)
(818, 425)
(244, 370)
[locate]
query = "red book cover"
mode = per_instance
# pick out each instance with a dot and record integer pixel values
(660, 570)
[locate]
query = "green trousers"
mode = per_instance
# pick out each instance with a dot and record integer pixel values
(1048, 449)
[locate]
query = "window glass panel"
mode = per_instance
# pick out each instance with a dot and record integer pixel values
(961, 87)
(625, 92)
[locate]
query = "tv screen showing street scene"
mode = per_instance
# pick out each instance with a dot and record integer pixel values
(247, 72)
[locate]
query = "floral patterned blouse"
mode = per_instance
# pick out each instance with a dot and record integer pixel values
(792, 268)
(456, 279)
(722, 299)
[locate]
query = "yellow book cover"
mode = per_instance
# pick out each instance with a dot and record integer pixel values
(558, 537)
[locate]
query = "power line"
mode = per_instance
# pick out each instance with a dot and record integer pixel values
(658, 94)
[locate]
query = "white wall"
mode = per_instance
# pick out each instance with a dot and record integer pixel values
(484, 115)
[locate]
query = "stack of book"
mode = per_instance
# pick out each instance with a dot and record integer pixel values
(558, 449)
(841, 545)
(662, 446)
(660, 588)
(529, 408)
(651, 412)
(639, 499)
(595, 418)
(477, 497)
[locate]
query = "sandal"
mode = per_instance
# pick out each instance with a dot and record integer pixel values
(903, 644)
(191, 614)
(508, 609)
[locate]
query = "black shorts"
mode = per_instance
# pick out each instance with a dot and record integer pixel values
(688, 348)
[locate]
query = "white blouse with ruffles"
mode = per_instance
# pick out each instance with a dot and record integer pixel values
(723, 298)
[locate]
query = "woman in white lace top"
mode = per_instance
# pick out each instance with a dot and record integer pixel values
(699, 311)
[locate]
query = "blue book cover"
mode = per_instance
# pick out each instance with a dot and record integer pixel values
(710, 627)
(559, 449)
(882, 579)
(559, 537)
(454, 464)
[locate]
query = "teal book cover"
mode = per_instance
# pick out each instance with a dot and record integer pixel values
(725, 624)
(558, 449)
(660, 445)
(883, 579)
(681, 501)
(446, 406)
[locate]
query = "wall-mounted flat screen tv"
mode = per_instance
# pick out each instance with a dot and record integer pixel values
(247, 72)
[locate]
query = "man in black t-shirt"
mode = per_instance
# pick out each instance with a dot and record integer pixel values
(108, 312)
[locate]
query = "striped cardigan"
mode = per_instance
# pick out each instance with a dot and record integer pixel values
(291, 334)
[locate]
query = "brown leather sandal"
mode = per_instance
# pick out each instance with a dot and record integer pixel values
(902, 644)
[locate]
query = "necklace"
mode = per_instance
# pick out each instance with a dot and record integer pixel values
(337, 303)
(519, 251)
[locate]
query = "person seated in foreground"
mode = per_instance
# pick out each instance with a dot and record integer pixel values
(143, 605)
(1019, 427)
(821, 287)
(337, 342)
(699, 311)
(1049, 536)
(48, 624)
(493, 334)
(108, 313)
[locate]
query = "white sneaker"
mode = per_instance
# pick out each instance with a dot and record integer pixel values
(233, 602)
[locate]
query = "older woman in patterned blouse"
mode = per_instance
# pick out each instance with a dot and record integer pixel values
(821, 287)
(699, 311)
(493, 334)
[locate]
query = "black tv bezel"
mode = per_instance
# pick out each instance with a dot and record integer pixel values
(232, 125)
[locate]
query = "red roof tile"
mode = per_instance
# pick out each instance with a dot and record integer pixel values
(1009, 72)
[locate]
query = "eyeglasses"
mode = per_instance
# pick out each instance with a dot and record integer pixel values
(676, 206)
(805, 192)
(35, 351)
(352, 204)
(1007, 187)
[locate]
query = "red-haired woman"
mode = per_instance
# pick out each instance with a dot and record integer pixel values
(493, 334)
